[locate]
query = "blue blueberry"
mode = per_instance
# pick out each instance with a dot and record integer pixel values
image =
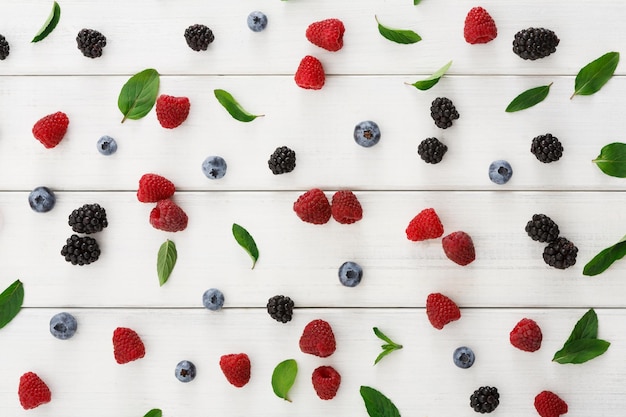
(185, 371)
(350, 274)
(107, 145)
(500, 171)
(214, 167)
(41, 199)
(213, 299)
(463, 357)
(63, 325)
(257, 21)
(367, 133)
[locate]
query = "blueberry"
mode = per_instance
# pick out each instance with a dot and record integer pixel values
(367, 133)
(463, 357)
(500, 171)
(214, 167)
(350, 274)
(41, 199)
(257, 21)
(185, 371)
(213, 299)
(107, 145)
(63, 325)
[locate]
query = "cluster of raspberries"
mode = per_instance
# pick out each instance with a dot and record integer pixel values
(313, 207)
(167, 215)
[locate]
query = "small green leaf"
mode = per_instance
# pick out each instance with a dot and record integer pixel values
(416, 2)
(586, 327)
(592, 77)
(155, 412)
(377, 404)
(233, 107)
(398, 35)
(50, 23)
(529, 98)
(612, 160)
(139, 94)
(11, 301)
(581, 350)
(381, 335)
(246, 241)
(389, 347)
(166, 260)
(283, 377)
(429, 82)
(605, 258)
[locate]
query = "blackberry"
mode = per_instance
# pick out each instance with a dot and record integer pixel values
(90, 218)
(80, 250)
(535, 43)
(542, 228)
(4, 48)
(546, 148)
(199, 37)
(560, 254)
(283, 160)
(443, 112)
(485, 399)
(280, 308)
(90, 42)
(431, 150)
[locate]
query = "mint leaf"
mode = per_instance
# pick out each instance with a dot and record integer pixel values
(580, 351)
(389, 347)
(155, 412)
(283, 377)
(233, 107)
(246, 241)
(398, 35)
(50, 23)
(586, 327)
(11, 301)
(429, 82)
(166, 260)
(529, 98)
(592, 77)
(603, 260)
(416, 2)
(377, 404)
(612, 160)
(139, 94)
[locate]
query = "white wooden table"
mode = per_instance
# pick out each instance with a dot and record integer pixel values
(365, 80)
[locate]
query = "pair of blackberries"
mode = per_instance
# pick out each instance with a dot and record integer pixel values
(560, 252)
(83, 250)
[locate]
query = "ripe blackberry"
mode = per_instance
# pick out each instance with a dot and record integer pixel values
(80, 250)
(90, 42)
(431, 150)
(546, 148)
(535, 43)
(542, 228)
(280, 308)
(443, 112)
(4, 48)
(283, 160)
(90, 218)
(560, 254)
(485, 399)
(199, 37)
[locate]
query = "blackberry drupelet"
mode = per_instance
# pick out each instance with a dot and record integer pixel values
(542, 228)
(547, 148)
(535, 43)
(80, 250)
(443, 112)
(283, 160)
(485, 399)
(91, 42)
(560, 254)
(431, 150)
(90, 218)
(4, 48)
(199, 37)
(280, 308)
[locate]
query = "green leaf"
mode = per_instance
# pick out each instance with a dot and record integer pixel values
(166, 260)
(416, 2)
(592, 77)
(377, 404)
(389, 347)
(233, 107)
(605, 258)
(246, 241)
(429, 82)
(11, 301)
(155, 412)
(612, 159)
(139, 94)
(529, 98)
(586, 327)
(398, 35)
(581, 350)
(50, 23)
(283, 377)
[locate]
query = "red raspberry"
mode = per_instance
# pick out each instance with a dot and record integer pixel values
(51, 129)
(153, 187)
(326, 381)
(441, 310)
(548, 404)
(172, 111)
(327, 34)
(127, 345)
(310, 73)
(459, 248)
(479, 26)
(345, 207)
(33, 391)
(426, 225)
(318, 339)
(313, 207)
(236, 368)
(168, 216)
(526, 335)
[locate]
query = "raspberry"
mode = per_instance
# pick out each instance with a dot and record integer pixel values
(313, 207)
(153, 187)
(91, 42)
(310, 73)
(236, 368)
(345, 207)
(168, 216)
(51, 129)
(172, 111)
(199, 37)
(127, 345)
(327, 34)
(326, 381)
(526, 335)
(441, 310)
(459, 248)
(548, 404)
(32, 391)
(318, 339)
(479, 26)
(426, 225)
